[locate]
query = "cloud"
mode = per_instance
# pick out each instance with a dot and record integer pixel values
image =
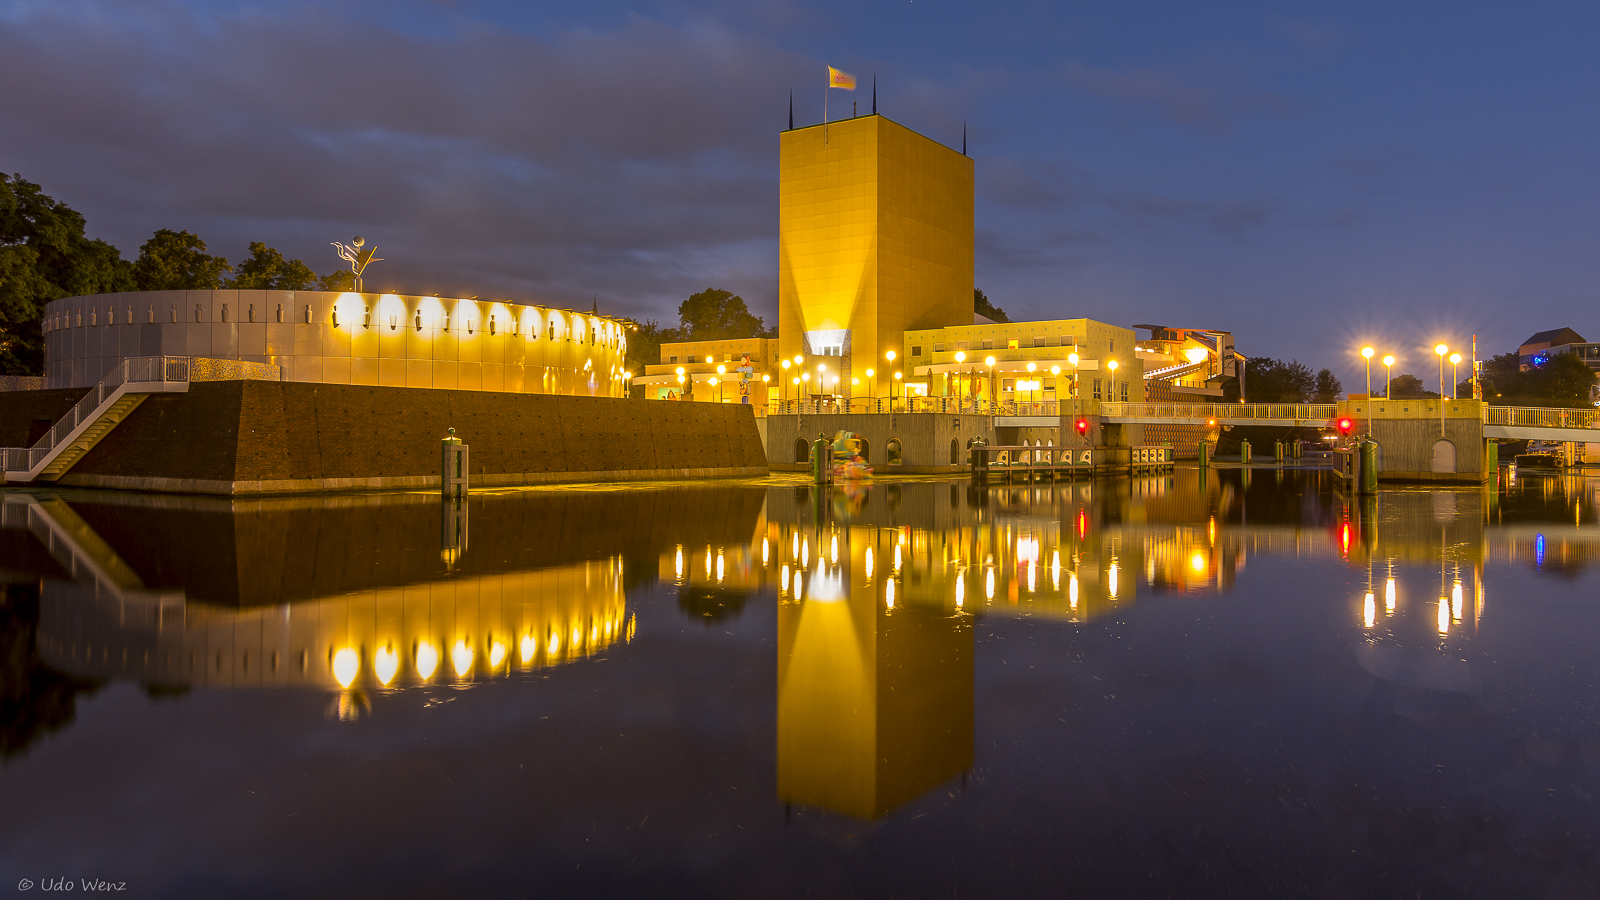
(627, 163)
(1167, 97)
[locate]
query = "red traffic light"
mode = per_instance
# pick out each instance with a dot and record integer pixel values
(1344, 426)
(1083, 426)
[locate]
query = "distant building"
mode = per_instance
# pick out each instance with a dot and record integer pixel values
(701, 381)
(930, 356)
(1193, 363)
(1545, 343)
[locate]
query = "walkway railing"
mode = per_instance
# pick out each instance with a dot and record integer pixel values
(1539, 417)
(1300, 411)
(882, 405)
(137, 370)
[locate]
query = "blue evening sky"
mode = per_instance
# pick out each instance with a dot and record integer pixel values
(1308, 176)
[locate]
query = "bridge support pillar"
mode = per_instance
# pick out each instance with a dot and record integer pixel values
(1425, 440)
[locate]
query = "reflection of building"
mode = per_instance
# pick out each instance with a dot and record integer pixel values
(874, 697)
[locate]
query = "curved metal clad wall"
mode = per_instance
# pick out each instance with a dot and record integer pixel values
(390, 340)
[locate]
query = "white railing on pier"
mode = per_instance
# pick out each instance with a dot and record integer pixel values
(1219, 411)
(1539, 417)
(133, 373)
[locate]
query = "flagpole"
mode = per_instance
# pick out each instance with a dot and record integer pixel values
(825, 83)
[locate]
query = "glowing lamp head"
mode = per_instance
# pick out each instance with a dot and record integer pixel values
(680, 370)
(869, 373)
(1031, 367)
(1082, 425)
(766, 378)
(722, 370)
(1072, 358)
(889, 356)
(989, 361)
(710, 360)
(961, 356)
(1344, 426)
(1441, 349)
(1455, 358)
(1388, 360)
(346, 664)
(1194, 354)
(799, 359)
(1367, 352)
(897, 376)
(1055, 370)
(1112, 365)
(786, 364)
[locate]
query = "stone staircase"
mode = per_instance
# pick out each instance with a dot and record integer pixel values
(114, 414)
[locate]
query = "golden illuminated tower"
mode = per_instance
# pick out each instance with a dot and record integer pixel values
(875, 236)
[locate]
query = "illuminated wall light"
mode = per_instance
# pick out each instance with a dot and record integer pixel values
(461, 657)
(867, 562)
(888, 593)
(346, 664)
(1444, 615)
(497, 654)
(427, 660)
(385, 663)
(528, 647)
(1369, 610)
(1388, 595)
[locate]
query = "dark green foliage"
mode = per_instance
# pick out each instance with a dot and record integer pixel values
(1561, 380)
(982, 306)
(644, 343)
(1269, 380)
(177, 261)
(44, 256)
(1327, 388)
(34, 699)
(266, 270)
(339, 280)
(718, 315)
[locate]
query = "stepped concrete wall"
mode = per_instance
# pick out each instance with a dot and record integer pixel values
(256, 437)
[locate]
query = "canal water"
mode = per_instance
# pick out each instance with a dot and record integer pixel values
(1224, 683)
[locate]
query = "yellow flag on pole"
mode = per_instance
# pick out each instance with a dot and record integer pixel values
(838, 79)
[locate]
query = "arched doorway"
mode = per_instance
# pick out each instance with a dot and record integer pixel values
(896, 451)
(1444, 456)
(802, 450)
(955, 452)
(866, 449)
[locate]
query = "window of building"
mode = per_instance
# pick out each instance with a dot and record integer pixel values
(1111, 344)
(938, 348)
(1066, 340)
(961, 345)
(1008, 384)
(673, 358)
(988, 344)
(1039, 341)
(1097, 389)
(1011, 344)
(1124, 392)
(916, 351)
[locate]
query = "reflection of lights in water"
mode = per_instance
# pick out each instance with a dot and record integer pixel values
(1444, 615)
(1072, 590)
(346, 663)
(555, 641)
(1197, 562)
(385, 663)
(897, 558)
(833, 549)
(1369, 610)
(805, 554)
(988, 585)
(1111, 581)
(797, 594)
(719, 567)
(1027, 549)
(708, 562)
(763, 552)
(461, 658)
(827, 585)
(576, 641)
(497, 654)
(961, 588)
(1344, 540)
(1455, 601)
(1031, 582)
(1055, 571)
(678, 562)
(427, 660)
(1211, 530)
(867, 561)
(888, 593)
(529, 647)
(795, 551)
(1388, 595)
(785, 578)
(1538, 550)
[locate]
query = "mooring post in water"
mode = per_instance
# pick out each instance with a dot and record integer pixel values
(1367, 470)
(1244, 453)
(453, 467)
(821, 459)
(1205, 454)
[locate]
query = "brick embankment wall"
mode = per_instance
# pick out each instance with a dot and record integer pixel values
(250, 437)
(25, 414)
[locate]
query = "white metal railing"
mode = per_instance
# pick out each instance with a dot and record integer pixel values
(137, 370)
(900, 405)
(1539, 417)
(1300, 411)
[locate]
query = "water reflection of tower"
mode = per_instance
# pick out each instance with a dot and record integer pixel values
(875, 702)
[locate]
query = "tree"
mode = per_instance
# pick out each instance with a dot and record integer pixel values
(44, 256)
(1559, 380)
(1409, 387)
(337, 280)
(267, 270)
(1327, 387)
(177, 261)
(644, 343)
(983, 307)
(1269, 380)
(718, 315)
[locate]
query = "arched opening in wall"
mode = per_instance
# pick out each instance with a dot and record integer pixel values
(896, 452)
(1444, 456)
(955, 452)
(866, 449)
(802, 450)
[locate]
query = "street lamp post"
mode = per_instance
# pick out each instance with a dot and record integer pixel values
(1055, 382)
(961, 357)
(1111, 380)
(1031, 369)
(1388, 375)
(889, 355)
(785, 388)
(891, 392)
(1455, 377)
(1073, 358)
(989, 361)
(1441, 350)
(1366, 353)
